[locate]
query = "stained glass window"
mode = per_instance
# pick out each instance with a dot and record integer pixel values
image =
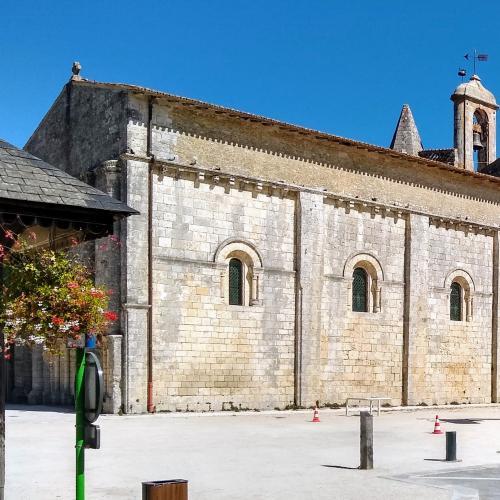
(235, 282)
(456, 302)
(359, 290)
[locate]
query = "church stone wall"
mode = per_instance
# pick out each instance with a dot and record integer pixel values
(362, 351)
(456, 355)
(208, 354)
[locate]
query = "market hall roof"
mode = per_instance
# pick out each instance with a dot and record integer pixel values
(24, 177)
(29, 182)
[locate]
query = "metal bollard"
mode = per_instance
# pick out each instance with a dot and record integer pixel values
(451, 446)
(366, 440)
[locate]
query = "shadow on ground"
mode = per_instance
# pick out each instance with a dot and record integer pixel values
(51, 409)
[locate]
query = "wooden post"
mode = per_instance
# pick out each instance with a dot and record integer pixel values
(366, 440)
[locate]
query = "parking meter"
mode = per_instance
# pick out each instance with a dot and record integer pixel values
(94, 395)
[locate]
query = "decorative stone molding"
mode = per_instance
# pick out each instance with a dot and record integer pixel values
(107, 177)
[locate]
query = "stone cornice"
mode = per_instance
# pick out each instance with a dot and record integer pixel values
(173, 168)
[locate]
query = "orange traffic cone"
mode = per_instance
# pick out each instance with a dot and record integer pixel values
(316, 415)
(437, 426)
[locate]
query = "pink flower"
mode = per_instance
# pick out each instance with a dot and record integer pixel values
(10, 235)
(73, 284)
(111, 315)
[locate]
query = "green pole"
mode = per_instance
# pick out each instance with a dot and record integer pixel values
(80, 423)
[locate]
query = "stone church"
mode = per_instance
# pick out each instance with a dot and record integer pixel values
(273, 265)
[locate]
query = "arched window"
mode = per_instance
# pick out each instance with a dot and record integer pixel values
(456, 297)
(359, 290)
(365, 276)
(235, 282)
(460, 292)
(241, 272)
(480, 139)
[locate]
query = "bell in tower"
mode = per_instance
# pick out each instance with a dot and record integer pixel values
(476, 138)
(475, 124)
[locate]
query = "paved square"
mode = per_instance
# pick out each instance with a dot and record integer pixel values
(274, 456)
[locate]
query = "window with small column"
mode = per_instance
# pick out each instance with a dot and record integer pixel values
(241, 273)
(460, 289)
(365, 274)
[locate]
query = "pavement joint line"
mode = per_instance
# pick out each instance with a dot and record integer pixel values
(460, 478)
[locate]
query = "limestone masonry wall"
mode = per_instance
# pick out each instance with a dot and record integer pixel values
(362, 351)
(301, 213)
(457, 354)
(208, 353)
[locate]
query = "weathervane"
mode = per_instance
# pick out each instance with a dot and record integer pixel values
(475, 57)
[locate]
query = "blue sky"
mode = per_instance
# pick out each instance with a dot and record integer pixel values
(340, 67)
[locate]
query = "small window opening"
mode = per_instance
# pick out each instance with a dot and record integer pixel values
(235, 282)
(360, 290)
(456, 302)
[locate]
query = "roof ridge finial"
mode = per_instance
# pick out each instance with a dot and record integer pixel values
(76, 68)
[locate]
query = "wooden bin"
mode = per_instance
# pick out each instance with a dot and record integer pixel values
(172, 489)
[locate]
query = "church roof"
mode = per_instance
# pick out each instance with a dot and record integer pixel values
(443, 155)
(26, 178)
(474, 90)
(406, 138)
(492, 169)
(242, 115)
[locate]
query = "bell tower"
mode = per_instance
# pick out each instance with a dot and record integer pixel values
(475, 124)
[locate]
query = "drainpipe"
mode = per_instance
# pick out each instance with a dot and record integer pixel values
(150, 405)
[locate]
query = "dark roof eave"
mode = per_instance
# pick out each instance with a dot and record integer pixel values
(59, 212)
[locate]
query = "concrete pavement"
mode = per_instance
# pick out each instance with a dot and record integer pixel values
(271, 456)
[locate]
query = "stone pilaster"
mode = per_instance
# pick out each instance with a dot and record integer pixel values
(134, 288)
(309, 254)
(18, 395)
(36, 393)
(113, 368)
(107, 272)
(495, 320)
(64, 380)
(48, 374)
(416, 306)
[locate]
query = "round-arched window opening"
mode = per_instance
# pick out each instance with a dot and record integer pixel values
(235, 282)
(359, 290)
(456, 297)
(480, 139)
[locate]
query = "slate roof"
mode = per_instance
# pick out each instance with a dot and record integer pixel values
(26, 178)
(442, 155)
(492, 169)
